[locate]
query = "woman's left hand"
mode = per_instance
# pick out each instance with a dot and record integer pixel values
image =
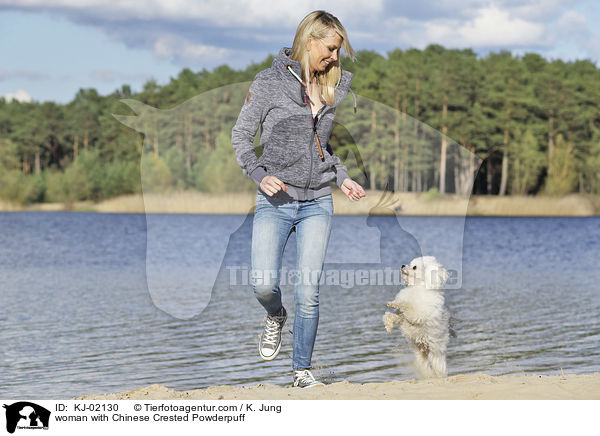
(353, 190)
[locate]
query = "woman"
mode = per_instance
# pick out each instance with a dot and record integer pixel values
(294, 103)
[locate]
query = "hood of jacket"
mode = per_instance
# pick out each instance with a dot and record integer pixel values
(292, 83)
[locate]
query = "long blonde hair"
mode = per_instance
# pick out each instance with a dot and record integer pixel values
(317, 25)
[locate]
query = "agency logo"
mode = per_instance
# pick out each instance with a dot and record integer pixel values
(26, 415)
(392, 151)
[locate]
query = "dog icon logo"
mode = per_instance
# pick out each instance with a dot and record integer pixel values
(26, 415)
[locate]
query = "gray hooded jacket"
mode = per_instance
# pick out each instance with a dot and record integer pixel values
(276, 102)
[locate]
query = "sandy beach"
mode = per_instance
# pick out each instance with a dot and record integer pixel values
(375, 202)
(477, 386)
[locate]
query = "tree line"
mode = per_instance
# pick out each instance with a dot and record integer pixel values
(432, 119)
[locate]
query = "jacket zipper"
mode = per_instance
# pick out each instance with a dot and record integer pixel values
(306, 99)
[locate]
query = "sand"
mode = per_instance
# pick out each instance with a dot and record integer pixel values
(477, 386)
(373, 203)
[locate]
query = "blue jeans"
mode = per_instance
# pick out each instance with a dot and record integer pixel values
(274, 221)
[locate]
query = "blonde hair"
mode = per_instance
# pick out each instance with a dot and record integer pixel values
(316, 25)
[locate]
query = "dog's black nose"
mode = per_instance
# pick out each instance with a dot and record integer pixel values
(402, 266)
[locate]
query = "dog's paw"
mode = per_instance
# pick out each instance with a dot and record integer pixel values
(389, 321)
(393, 305)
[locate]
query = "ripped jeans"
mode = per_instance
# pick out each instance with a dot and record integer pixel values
(273, 223)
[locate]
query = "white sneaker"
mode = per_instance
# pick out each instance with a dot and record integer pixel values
(270, 340)
(303, 378)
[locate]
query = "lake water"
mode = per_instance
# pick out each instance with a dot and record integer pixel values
(82, 312)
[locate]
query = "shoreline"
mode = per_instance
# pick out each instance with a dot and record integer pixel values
(410, 204)
(478, 386)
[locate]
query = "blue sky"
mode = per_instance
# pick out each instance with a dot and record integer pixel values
(51, 49)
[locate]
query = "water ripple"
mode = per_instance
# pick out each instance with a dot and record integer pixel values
(77, 317)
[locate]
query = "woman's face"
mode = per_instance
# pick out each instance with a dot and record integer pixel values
(323, 52)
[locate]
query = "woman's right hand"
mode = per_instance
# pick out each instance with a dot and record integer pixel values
(352, 189)
(270, 185)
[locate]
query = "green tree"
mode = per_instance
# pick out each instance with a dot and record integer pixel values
(156, 176)
(562, 174)
(527, 161)
(507, 99)
(222, 172)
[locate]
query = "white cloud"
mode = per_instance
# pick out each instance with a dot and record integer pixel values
(202, 33)
(491, 27)
(572, 21)
(220, 13)
(205, 33)
(21, 95)
(575, 40)
(174, 47)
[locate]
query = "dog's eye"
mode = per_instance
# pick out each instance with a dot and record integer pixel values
(415, 267)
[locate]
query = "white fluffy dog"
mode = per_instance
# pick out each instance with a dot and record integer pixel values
(423, 319)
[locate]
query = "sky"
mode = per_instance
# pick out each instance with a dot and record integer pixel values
(49, 49)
